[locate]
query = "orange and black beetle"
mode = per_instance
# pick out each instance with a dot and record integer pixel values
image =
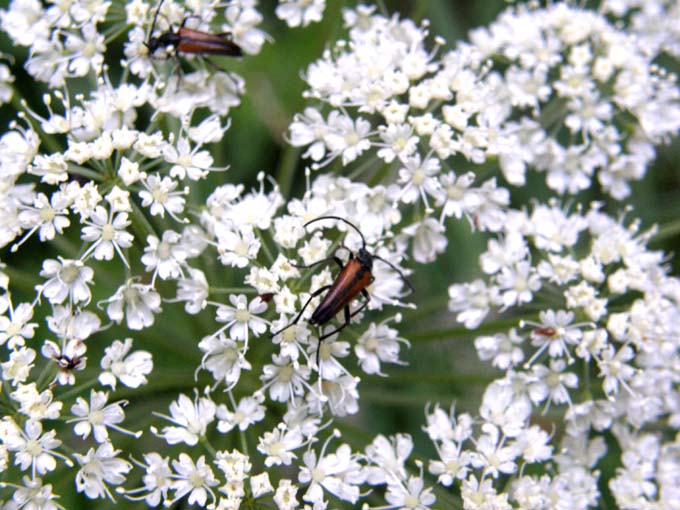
(354, 277)
(187, 40)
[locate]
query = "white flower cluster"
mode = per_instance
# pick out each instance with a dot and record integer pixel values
(556, 89)
(614, 317)
(585, 98)
(654, 23)
(300, 12)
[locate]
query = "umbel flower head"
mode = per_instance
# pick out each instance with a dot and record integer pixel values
(173, 306)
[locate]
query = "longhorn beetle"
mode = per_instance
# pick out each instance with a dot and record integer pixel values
(187, 40)
(353, 279)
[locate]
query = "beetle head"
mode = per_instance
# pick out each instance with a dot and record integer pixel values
(365, 258)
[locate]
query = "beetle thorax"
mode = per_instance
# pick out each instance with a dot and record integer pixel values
(365, 258)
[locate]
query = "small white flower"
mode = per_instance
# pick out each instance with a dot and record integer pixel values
(17, 369)
(157, 479)
(347, 137)
(615, 369)
(388, 458)
(66, 278)
(107, 233)
(553, 383)
(555, 332)
(96, 416)
(242, 317)
(260, 485)
(534, 445)
(191, 419)
(501, 408)
(285, 378)
(285, 496)
(411, 494)
(492, 455)
(16, 329)
(399, 142)
(300, 12)
(418, 180)
(379, 343)
(69, 324)
(136, 302)
(187, 162)
(33, 495)
(242, 20)
(248, 412)
(99, 468)
(237, 248)
(278, 445)
(196, 480)
(224, 358)
(33, 448)
(503, 349)
(338, 473)
(160, 196)
(428, 240)
(193, 290)
(518, 283)
(454, 463)
(130, 369)
(473, 301)
(48, 216)
(86, 52)
(165, 257)
(34, 404)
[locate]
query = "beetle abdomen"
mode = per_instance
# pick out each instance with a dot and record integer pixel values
(353, 278)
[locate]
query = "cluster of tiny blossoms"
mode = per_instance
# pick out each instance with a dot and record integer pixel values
(561, 91)
(557, 90)
(119, 206)
(655, 23)
(123, 193)
(601, 358)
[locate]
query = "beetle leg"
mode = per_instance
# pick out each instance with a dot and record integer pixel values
(322, 261)
(364, 293)
(233, 81)
(314, 294)
(348, 316)
(178, 70)
(184, 21)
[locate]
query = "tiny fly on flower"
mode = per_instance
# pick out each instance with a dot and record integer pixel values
(187, 40)
(354, 277)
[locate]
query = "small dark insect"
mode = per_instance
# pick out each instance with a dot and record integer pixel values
(352, 280)
(67, 365)
(266, 297)
(187, 40)
(547, 331)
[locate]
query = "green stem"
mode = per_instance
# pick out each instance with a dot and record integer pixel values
(460, 331)
(285, 173)
(671, 229)
(85, 172)
(206, 444)
(232, 290)
(244, 442)
(447, 378)
(22, 280)
(76, 390)
(142, 220)
(265, 247)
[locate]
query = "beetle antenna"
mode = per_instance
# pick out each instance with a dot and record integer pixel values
(397, 270)
(155, 17)
(363, 240)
